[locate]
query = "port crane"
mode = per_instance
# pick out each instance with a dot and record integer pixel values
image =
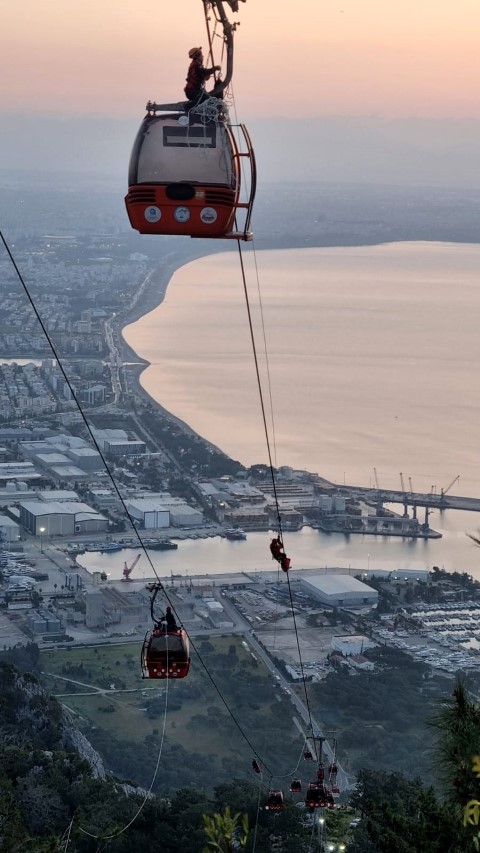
(444, 491)
(127, 570)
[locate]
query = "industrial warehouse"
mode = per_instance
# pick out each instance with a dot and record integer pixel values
(338, 590)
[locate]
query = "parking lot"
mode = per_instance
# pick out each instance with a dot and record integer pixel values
(10, 633)
(315, 643)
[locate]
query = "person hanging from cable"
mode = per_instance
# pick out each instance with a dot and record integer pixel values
(276, 548)
(278, 553)
(196, 76)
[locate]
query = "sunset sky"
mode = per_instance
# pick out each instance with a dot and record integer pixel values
(388, 58)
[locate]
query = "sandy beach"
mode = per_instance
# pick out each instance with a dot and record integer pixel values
(152, 294)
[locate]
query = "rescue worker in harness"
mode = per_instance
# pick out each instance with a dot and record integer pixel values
(196, 76)
(169, 621)
(166, 623)
(278, 554)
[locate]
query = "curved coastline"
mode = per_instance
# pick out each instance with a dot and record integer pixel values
(453, 550)
(158, 279)
(405, 263)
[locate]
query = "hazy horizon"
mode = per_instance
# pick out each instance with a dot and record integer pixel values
(370, 93)
(394, 59)
(346, 149)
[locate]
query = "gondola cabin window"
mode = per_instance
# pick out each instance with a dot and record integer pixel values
(163, 644)
(168, 153)
(190, 137)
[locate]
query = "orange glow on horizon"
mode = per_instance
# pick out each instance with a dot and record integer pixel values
(403, 58)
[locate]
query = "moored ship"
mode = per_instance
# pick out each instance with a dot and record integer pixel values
(160, 544)
(234, 533)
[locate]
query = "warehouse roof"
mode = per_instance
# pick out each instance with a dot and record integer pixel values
(39, 508)
(335, 583)
(53, 458)
(149, 505)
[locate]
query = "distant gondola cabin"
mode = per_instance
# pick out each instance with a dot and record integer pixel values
(275, 801)
(165, 655)
(317, 796)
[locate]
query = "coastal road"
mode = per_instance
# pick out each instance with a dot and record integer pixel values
(114, 360)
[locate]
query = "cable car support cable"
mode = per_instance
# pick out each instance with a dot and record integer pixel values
(305, 691)
(118, 493)
(272, 475)
(147, 793)
(260, 390)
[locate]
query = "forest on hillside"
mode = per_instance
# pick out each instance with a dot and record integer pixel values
(52, 798)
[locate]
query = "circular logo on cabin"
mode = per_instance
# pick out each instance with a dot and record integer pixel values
(182, 214)
(153, 214)
(208, 215)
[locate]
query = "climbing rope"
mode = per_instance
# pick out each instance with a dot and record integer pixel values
(120, 497)
(272, 474)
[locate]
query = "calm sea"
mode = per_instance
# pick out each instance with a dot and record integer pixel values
(373, 356)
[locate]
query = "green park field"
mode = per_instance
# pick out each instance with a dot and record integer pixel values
(123, 715)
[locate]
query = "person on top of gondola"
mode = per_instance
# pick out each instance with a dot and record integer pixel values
(197, 75)
(169, 621)
(278, 553)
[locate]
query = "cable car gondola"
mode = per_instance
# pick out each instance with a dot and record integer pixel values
(186, 168)
(275, 801)
(165, 654)
(165, 650)
(317, 796)
(295, 786)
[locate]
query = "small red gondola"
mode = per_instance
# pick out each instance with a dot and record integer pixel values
(308, 755)
(165, 654)
(295, 786)
(317, 796)
(256, 766)
(165, 650)
(275, 801)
